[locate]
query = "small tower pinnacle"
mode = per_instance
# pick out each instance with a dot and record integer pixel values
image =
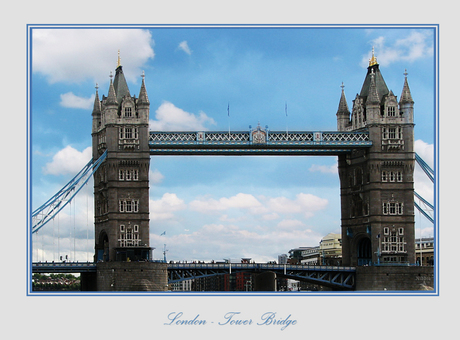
(343, 113)
(406, 96)
(119, 59)
(112, 97)
(97, 103)
(143, 98)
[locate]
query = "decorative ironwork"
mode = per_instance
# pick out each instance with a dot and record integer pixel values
(274, 137)
(257, 141)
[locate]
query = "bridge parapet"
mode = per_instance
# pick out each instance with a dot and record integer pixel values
(256, 142)
(258, 266)
(245, 137)
(63, 267)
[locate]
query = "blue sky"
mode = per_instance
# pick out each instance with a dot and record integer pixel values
(218, 207)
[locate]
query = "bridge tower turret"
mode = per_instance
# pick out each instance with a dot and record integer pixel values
(121, 184)
(377, 184)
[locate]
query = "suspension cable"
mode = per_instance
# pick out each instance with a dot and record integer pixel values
(55, 204)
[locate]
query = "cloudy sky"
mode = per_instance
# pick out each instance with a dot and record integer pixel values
(213, 208)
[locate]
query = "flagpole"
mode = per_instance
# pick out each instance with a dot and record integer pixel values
(285, 110)
(228, 114)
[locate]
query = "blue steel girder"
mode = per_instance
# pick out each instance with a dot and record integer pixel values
(332, 279)
(335, 277)
(63, 267)
(252, 144)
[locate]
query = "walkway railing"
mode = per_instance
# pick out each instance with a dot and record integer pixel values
(256, 142)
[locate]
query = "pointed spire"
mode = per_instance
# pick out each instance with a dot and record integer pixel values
(380, 84)
(143, 98)
(97, 102)
(119, 83)
(112, 98)
(406, 96)
(373, 60)
(373, 97)
(343, 106)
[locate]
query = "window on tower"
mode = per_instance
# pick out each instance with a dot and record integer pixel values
(392, 208)
(128, 174)
(392, 176)
(393, 242)
(392, 133)
(128, 205)
(391, 111)
(128, 132)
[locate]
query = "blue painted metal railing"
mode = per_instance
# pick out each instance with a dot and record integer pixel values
(256, 142)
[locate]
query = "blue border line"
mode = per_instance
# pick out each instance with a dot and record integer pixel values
(29, 255)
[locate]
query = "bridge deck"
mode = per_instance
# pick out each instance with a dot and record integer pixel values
(338, 277)
(244, 143)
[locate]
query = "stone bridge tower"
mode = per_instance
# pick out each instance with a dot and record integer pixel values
(121, 184)
(377, 184)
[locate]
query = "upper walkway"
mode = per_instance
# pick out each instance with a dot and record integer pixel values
(256, 142)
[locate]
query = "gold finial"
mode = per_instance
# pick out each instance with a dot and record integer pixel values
(119, 59)
(373, 60)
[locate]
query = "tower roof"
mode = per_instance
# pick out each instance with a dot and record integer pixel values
(119, 83)
(380, 84)
(373, 92)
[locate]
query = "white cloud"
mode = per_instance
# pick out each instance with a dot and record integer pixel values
(269, 208)
(290, 224)
(220, 241)
(239, 201)
(74, 55)
(184, 47)
(270, 217)
(155, 176)
(304, 203)
(425, 151)
(72, 101)
(164, 208)
(171, 118)
(415, 46)
(332, 169)
(68, 161)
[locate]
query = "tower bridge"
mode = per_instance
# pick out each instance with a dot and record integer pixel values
(374, 143)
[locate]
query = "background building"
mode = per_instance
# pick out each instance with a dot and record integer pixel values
(330, 248)
(424, 249)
